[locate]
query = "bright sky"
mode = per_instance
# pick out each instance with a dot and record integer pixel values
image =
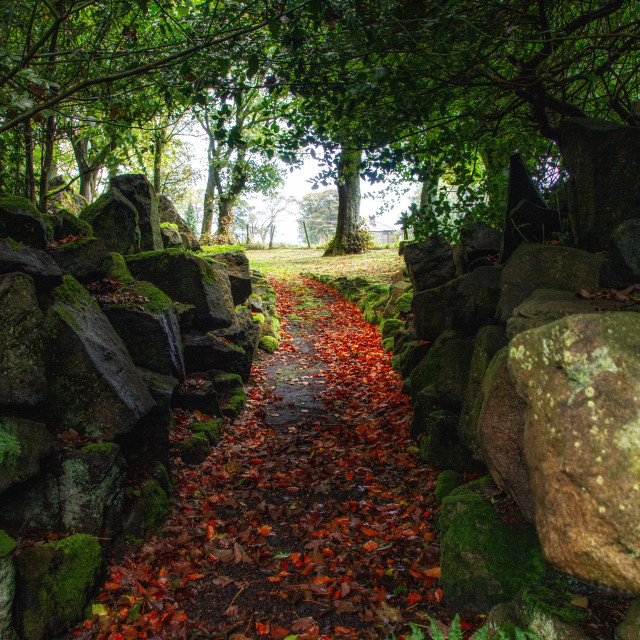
(298, 183)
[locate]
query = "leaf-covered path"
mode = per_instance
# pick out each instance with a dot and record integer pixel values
(312, 519)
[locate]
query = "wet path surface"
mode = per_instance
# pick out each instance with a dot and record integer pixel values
(311, 519)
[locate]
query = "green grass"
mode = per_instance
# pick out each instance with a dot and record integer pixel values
(377, 264)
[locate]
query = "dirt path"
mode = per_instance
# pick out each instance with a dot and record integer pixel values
(312, 519)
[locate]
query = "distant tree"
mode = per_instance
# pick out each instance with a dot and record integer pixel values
(191, 217)
(319, 211)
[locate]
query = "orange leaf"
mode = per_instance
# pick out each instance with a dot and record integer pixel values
(265, 530)
(321, 580)
(438, 595)
(412, 598)
(368, 531)
(349, 475)
(262, 629)
(370, 546)
(433, 573)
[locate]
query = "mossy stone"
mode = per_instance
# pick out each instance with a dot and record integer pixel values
(447, 481)
(54, 583)
(7, 586)
(484, 561)
(119, 269)
(155, 505)
(387, 344)
(7, 544)
(409, 356)
(195, 449)
(213, 430)
(389, 327)
(20, 220)
(258, 317)
(268, 344)
(67, 224)
(403, 305)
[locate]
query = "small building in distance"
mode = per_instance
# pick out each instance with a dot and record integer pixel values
(383, 233)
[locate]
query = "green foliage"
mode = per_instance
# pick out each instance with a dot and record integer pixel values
(169, 225)
(10, 448)
(319, 211)
(357, 242)
(221, 248)
(455, 633)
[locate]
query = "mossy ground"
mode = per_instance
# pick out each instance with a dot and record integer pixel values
(268, 344)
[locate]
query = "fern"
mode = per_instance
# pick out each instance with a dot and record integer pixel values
(455, 633)
(9, 446)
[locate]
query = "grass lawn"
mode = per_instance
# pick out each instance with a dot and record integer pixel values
(378, 264)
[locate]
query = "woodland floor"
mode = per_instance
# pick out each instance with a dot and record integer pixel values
(313, 518)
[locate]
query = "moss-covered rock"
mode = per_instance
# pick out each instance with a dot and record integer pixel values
(268, 344)
(484, 560)
(20, 220)
(23, 443)
(54, 584)
(403, 305)
(387, 344)
(258, 317)
(145, 319)
(39, 265)
(119, 270)
(389, 327)
(7, 586)
(212, 429)
(93, 387)
(67, 224)
(629, 628)
(406, 359)
(189, 280)
(195, 449)
(447, 481)
(206, 351)
(22, 373)
(114, 219)
(86, 259)
(149, 512)
(239, 274)
(243, 333)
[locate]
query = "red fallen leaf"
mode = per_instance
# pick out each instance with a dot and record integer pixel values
(349, 475)
(438, 595)
(262, 629)
(416, 574)
(265, 530)
(321, 580)
(370, 546)
(412, 598)
(368, 531)
(465, 626)
(115, 636)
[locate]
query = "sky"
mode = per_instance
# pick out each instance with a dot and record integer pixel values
(299, 182)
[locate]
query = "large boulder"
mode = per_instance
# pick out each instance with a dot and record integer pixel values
(168, 213)
(445, 369)
(479, 240)
(22, 222)
(489, 340)
(204, 351)
(498, 436)
(94, 387)
(580, 376)
(7, 586)
(22, 373)
(464, 304)
(78, 492)
(603, 160)
(67, 224)
(140, 193)
(430, 263)
(245, 332)
(115, 220)
(621, 266)
(547, 305)
(54, 583)
(239, 274)
(171, 238)
(144, 318)
(536, 266)
(185, 278)
(484, 560)
(86, 259)
(24, 444)
(39, 265)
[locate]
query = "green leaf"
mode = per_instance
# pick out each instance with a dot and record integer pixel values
(253, 65)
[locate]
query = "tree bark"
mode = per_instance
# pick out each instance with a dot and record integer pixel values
(158, 149)
(348, 203)
(29, 177)
(47, 161)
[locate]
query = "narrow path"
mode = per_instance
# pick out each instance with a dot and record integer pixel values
(312, 519)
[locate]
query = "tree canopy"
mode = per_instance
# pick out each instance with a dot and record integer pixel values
(440, 92)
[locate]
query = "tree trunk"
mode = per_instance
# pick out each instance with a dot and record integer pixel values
(29, 177)
(47, 161)
(348, 183)
(225, 222)
(158, 149)
(273, 230)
